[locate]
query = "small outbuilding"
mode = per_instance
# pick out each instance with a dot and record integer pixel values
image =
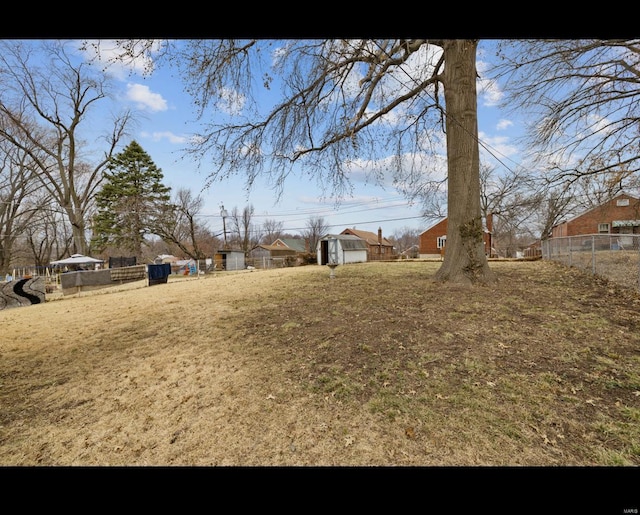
(229, 260)
(267, 256)
(341, 249)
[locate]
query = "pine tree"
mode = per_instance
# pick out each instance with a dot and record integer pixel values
(130, 201)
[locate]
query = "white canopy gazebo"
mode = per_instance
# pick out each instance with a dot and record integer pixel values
(76, 260)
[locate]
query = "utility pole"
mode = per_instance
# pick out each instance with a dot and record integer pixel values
(223, 214)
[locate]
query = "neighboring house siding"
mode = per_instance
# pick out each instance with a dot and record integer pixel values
(620, 215)
(433, 240)
(429, 239)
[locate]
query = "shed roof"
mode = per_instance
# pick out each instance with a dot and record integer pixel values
(370, 237)
(348, 241)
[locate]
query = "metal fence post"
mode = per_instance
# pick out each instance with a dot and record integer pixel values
(570, 252)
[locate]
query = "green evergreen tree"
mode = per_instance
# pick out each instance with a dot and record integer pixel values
(130, 201)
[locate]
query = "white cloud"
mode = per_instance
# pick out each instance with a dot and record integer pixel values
(165, 135)
(599, 124)
(145, 99)
(490, 92)
(499, 144)
(231, 102)
(503, 124)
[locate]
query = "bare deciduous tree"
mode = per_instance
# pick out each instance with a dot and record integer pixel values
(554, 206)
(48, 236)
(178, 224)
(511, 199)
(272, 230)
(245, 235)
(406, 241)
(316, 228)
(19, 205)
(583, 99)
(42, 106)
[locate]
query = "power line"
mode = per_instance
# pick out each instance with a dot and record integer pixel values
(356, 223)
(328, 212)
(493, 152)
(384, 203)
(352, 224)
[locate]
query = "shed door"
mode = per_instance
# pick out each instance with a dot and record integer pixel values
(221, 261)
(324, 252)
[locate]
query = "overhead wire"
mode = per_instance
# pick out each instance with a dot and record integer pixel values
(492, 151)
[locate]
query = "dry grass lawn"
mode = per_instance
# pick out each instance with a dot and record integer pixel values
(379, 366)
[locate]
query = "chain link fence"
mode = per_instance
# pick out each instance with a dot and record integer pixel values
(615, 257)
(207, 266)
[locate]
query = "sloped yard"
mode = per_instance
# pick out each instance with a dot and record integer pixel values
(379, 366)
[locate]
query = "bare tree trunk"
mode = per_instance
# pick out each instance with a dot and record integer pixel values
(79, 228)
(465, 260)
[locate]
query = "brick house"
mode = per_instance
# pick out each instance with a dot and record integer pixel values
(377, 247)
(434, 238)
(620, 215)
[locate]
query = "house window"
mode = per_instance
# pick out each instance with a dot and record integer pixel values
(441, 241)
(603, 228)
(622, 202)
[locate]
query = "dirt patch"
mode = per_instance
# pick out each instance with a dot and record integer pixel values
(379, 366)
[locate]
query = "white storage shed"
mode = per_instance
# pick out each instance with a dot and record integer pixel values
(341, 249)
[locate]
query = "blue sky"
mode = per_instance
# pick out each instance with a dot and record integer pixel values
(167, 121)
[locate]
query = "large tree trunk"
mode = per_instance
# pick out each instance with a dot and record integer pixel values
(79, 237)
(465, 260)
(79, 240)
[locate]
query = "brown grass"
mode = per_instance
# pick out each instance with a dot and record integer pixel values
(379, 366)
